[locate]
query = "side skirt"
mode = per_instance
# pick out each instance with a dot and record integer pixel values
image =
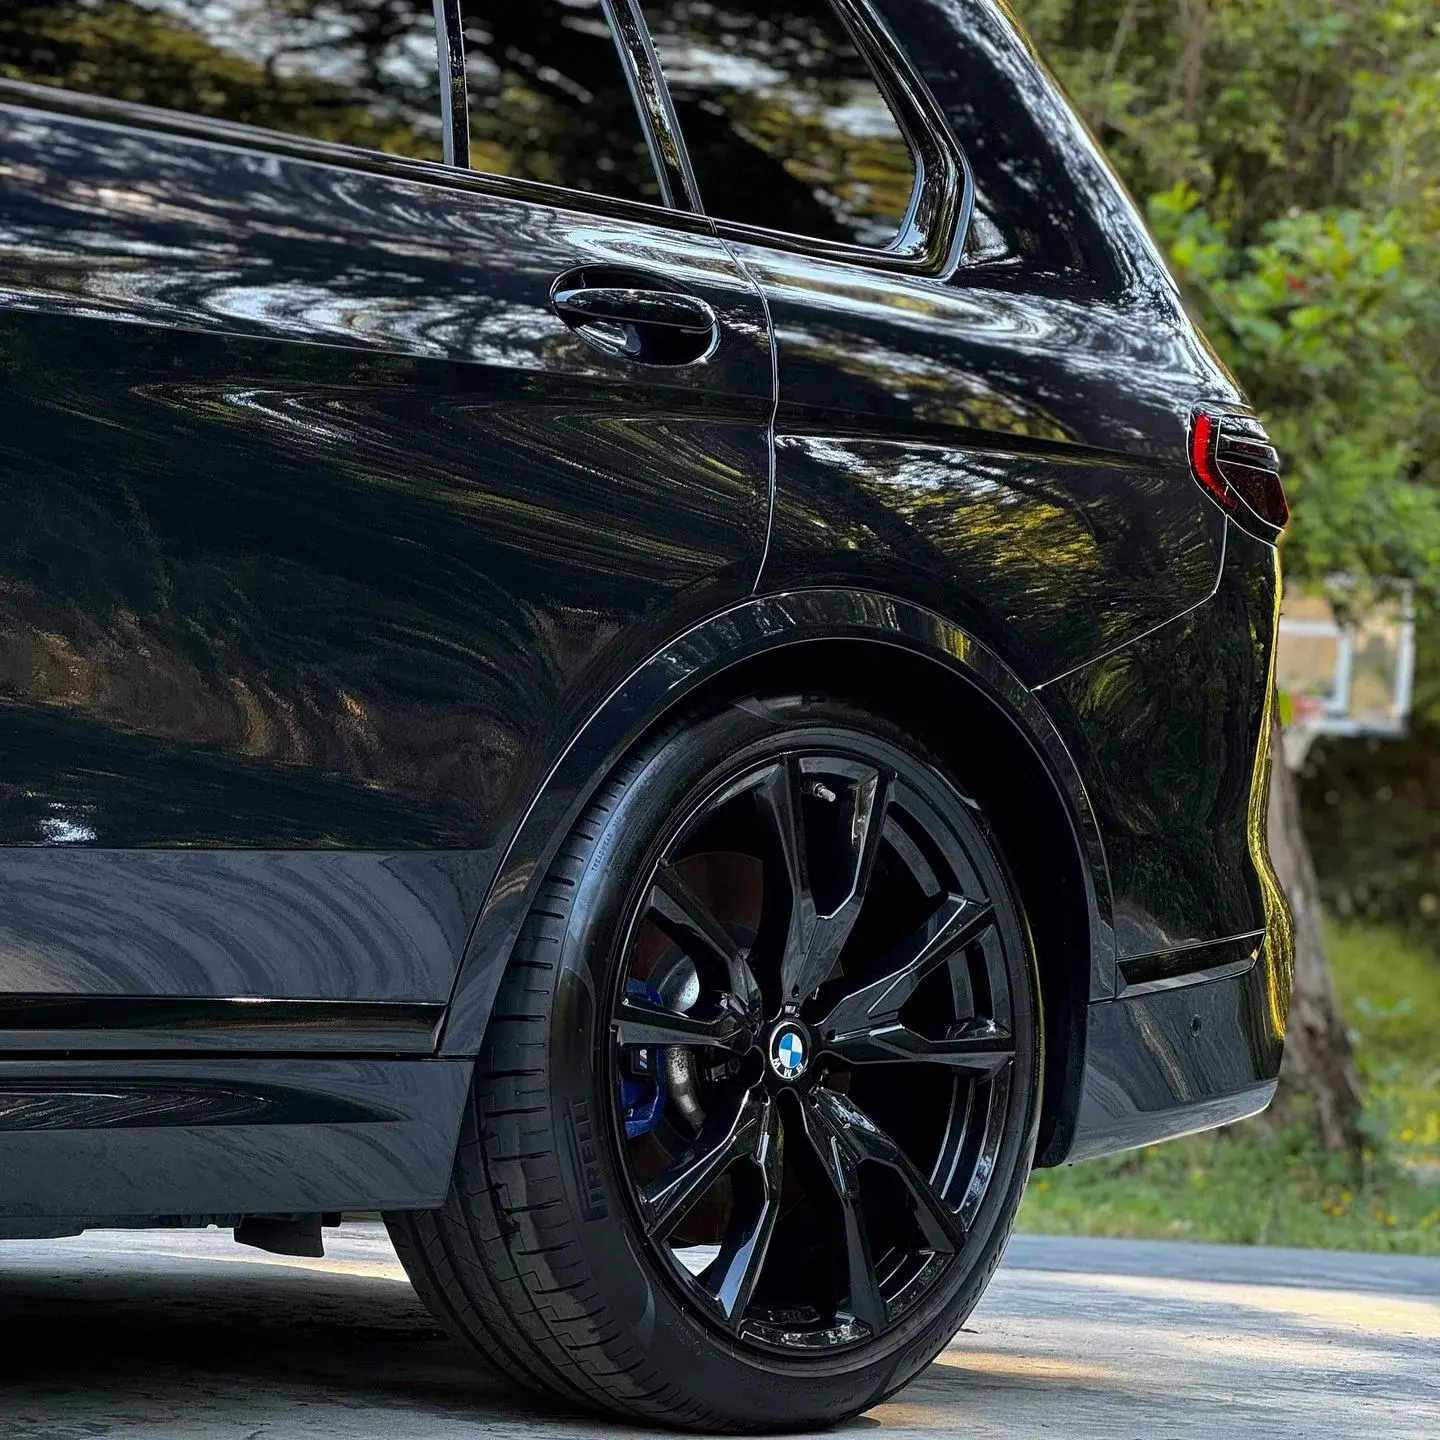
(88, 1141)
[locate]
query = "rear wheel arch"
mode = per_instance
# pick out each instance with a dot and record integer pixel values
(908, 665)
(873, 651)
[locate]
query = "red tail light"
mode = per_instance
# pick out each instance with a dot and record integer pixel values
(1232, 458)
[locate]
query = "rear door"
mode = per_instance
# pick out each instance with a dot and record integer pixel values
(337, 483)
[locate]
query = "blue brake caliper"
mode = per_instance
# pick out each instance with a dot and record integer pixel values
(642, 1074)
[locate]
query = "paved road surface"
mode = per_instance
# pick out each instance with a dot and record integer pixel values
(169, 1334)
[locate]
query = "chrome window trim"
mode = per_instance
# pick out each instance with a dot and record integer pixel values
(454, 82)
(652, 99)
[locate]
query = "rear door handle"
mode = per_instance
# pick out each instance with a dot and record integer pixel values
(667, 309)
(640, 320)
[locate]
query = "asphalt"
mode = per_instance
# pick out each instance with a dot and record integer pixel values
(174, 1334)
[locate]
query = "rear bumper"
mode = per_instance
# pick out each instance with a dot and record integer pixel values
(1195, 1042)
(1193, 1035)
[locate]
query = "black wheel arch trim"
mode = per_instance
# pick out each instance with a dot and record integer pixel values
(703, 654)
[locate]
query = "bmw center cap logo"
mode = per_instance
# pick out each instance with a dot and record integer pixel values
(788, 1055)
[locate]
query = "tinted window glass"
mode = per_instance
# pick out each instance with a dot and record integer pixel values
(549, 100)
(785, 123)
(360, 72)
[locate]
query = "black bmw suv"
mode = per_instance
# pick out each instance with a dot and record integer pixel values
(636, 632)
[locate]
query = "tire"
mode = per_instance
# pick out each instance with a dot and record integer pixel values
(555, 1253)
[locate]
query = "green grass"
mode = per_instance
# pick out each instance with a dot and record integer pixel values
(1391, 995)
(1251, 1184)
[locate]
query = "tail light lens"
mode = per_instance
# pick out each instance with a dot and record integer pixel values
(1232, 458)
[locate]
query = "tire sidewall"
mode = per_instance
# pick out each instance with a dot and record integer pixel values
(757, 1388)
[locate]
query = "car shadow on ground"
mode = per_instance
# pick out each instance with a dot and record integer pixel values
(196, 1349)
(245, 1349)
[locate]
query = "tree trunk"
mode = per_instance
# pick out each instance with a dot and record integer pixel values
(1318, 1061)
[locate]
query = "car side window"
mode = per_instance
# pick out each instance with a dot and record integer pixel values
(356, 72)
(786, 125)
(549, 100)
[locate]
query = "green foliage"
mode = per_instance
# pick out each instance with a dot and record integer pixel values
(1249, 1185)
(1288, 154)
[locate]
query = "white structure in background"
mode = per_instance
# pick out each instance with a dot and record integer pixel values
(1345, 677)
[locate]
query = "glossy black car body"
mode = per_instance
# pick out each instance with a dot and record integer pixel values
(337, 570)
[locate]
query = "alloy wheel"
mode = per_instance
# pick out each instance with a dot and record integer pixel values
(811, 1046)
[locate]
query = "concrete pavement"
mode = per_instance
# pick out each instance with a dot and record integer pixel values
(176, 1334)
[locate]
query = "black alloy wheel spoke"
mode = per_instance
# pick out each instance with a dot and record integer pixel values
(864, 1027)
(841, 1163)
(641, 1022)
(779, 795)
(689, 922)
(673, 1194)
(977, 1047)
(814, 939)
(866, 1141)
(736, 1271)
